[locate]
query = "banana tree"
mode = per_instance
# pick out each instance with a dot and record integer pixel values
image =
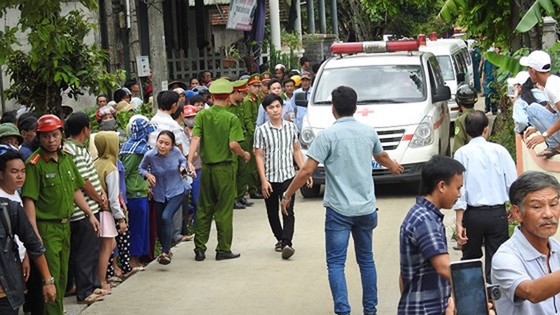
(451, 8)
(533, 15)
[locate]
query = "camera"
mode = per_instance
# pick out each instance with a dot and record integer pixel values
(494, 292)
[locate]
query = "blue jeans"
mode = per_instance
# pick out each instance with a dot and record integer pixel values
(337, 233)
(541, 118)
(165, 212)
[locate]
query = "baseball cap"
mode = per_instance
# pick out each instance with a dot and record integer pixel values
(520, 78)
(179, 90)
(538, 60)
(306, 75)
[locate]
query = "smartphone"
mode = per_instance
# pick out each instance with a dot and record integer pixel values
(510, 90)
(469, 287)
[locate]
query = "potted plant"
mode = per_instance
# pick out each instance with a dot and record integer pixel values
(232, 56)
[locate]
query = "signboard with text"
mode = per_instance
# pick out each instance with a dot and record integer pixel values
(241, 14)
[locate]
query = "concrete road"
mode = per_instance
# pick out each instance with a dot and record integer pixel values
(260, 282)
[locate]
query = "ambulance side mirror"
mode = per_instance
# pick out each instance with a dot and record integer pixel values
(300, 100)
(442, 93)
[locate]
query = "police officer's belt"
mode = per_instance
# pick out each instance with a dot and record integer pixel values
(61, 221)
(219, 163)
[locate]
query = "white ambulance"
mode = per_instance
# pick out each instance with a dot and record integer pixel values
(401, 94)
(455, 63)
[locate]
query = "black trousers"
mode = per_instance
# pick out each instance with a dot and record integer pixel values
(488, 224)
(285, 233)
(84, 257)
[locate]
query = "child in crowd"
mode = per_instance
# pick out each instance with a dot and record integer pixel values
(107, 144)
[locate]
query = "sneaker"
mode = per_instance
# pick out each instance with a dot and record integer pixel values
(278, 246)
(287, 252)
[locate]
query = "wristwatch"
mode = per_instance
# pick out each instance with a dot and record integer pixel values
(545, 135)
(285, 197)
(48, 281)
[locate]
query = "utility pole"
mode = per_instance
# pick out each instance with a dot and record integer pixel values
(158, 54)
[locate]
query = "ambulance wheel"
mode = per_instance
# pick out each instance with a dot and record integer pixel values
(310, 192)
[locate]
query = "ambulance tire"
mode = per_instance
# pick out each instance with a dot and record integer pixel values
(312, 192)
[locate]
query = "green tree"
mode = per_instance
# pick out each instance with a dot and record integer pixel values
(500, 21)
(371, 19)
(57, 61)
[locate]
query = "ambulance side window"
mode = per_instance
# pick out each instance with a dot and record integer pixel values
(436, 78)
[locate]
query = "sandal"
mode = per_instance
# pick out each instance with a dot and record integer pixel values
(101, 292)
(548, 153)
(164, 259)
(114, 279)
(92, 298)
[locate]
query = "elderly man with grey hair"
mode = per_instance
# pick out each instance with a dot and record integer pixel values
(527, 266)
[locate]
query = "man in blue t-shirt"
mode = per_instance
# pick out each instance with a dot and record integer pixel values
(346, 150)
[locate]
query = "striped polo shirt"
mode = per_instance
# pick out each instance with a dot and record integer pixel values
(278, 146)
(84, 164)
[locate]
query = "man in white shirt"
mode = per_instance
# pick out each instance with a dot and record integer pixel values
(307, 89)
(544, 119)
(480, 211)
(162, 120)
(527, 266)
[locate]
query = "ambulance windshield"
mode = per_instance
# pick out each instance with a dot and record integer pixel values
(381, 84)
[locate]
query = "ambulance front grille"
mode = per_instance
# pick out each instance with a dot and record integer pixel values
(390, 139)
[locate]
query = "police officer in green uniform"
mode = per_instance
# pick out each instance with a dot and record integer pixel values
(234, 106)
(465, 97)
(251, 104)
(218, 133)
(51, 188)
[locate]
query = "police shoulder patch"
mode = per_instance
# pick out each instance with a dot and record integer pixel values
(34, 159)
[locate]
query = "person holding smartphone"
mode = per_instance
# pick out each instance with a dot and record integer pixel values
(424, 256)
(165, 168)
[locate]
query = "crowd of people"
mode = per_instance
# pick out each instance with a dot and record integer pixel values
(96, 201)
(87, 206)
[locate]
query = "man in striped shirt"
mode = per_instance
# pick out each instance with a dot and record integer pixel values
(84, 244)
(276, 147)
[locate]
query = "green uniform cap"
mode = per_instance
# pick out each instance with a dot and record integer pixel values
(254, 78)
(221, 86)
(10, 130)
(240, 85)
(266, 76)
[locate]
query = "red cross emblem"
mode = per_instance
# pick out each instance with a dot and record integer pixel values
(365, 111)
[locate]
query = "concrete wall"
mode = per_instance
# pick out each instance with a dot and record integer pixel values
(12, 18)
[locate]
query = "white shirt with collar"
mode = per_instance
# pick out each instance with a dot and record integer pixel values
(490, 171)
(516, 261)
(163, 121)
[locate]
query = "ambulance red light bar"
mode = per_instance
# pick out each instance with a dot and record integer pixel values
(375, 47)
(422, 39)
(433, 36)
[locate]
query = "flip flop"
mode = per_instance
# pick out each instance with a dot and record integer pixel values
(164, 259)
(102, 292)
(548, 153)
(92, 298)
